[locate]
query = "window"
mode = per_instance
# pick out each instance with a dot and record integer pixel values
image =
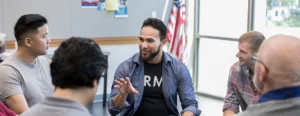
(277, 16)
(215, 59)
(223, 18)
(220, 24)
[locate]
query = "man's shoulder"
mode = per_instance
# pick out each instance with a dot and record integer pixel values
(33, 110)
(9, 60)
(10, 63)
(235, 67)
(55, 108)
(292, 106)
(175, 61)
(44, 110)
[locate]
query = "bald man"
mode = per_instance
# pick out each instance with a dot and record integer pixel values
(277, 77)
(240, 88)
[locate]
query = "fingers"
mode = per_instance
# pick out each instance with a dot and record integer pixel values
(133, 90)
(128, 81)
(118, 83)
(122, 80)
(125, 83)
(117, 86)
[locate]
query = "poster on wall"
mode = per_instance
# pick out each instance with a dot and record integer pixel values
(101, 5)
(123, 11)
(89, 3)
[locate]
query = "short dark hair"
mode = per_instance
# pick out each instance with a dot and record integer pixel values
(77, 63)
(157, 24)
(255, 38)
(28, 24)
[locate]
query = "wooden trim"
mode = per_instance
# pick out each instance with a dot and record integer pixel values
(10, 44)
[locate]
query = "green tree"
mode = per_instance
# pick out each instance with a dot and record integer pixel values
(287, 3)
(269, 4)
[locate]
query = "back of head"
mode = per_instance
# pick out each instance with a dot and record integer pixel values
(255, 38)
(157, 24)
(77, 63)
(27, 26)
(281, 55)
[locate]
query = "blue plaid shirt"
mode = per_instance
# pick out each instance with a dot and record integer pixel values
(176, 80)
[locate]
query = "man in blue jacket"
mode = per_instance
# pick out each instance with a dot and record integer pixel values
(147, 84)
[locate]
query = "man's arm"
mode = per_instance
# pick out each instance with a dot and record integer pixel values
(17, 103)
(187, 113)
(10, 89)
(231, 103)
(186, 93)
(228, 113)
(117, 101)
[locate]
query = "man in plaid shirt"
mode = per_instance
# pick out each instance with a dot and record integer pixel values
(240, 87)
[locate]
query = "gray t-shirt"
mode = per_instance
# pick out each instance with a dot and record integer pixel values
(54, 106)
(20, 77)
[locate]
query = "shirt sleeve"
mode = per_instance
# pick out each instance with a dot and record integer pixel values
(230, 100)
(10, 81)
(120, 73)
(186, 92)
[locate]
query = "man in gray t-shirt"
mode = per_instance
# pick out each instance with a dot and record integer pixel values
(76, 68)
(31, 80)
(25, 75)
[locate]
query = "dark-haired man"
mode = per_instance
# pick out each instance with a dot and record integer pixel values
(25, 75)
(76, 68)
(147, 84)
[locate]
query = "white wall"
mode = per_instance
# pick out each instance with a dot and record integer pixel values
(67, 18)
(1, 15)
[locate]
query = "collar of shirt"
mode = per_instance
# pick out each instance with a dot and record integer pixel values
(248, 72)
(280, 94)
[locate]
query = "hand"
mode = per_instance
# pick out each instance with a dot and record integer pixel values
(187, 113)
(125, 87)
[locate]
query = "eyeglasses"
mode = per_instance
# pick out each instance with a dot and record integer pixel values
(254, 58)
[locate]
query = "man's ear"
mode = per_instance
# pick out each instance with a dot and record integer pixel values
(95, 83)
(164, 41)
(27, 42)
(263, 74)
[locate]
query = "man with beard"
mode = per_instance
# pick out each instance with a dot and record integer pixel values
(240, 89)
(147, 84)
(277, 77)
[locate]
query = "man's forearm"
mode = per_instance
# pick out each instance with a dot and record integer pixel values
(119, 100)
(17, 103)
(228, 113)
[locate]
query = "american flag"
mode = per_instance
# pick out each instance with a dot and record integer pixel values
(177, 30)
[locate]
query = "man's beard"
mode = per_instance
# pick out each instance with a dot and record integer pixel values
(151, 56)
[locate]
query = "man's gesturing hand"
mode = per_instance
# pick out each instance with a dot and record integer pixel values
(125, 87)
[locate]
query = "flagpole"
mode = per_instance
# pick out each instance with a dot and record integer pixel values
(165, 48)
(165, 10)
